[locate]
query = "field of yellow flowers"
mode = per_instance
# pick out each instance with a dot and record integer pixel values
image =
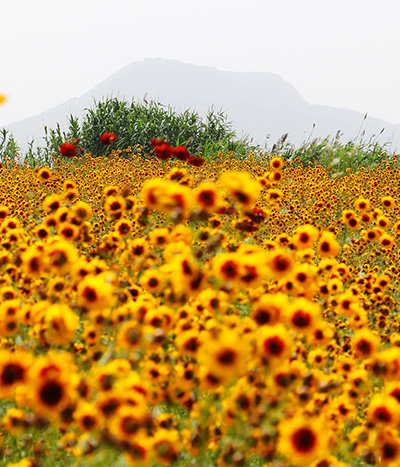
(221, 313)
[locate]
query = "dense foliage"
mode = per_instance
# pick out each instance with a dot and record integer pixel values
(138, 123)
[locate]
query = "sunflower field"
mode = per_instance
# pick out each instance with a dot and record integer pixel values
(175, 310)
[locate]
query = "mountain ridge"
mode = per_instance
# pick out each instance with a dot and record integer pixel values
(261, 105)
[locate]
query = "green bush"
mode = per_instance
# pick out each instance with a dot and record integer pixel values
(9, 149)
(337, 155)
(138, 124)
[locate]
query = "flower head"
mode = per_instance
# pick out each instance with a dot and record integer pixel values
(302, 440)
(108, 138)
(67, 150)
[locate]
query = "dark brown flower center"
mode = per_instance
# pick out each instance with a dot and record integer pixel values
(51, 393)
(226, 357)
(12, 373)
(304, 440)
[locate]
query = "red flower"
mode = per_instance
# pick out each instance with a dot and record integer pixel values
(107, 138)
(67, 150)
(246, 226)
(195, 161)
(257, 215)
(181, 153)
(163, 151)
(156, 142)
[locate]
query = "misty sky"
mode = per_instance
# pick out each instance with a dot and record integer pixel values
(342, 53)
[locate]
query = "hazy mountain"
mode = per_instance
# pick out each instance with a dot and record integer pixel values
(261, 105)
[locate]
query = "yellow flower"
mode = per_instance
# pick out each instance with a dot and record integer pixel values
(123, 227)
(273, 344)
(388, 201)
(207, 196)
(9, 317)
(241, 186)
(276, 163)
(61, 324)
(3, 98)
(386, 241)
(280, 263)
(87, 416)
(166, 446)
(365, 343)
(52, 384)
(152, 280)
(129, 336)
(159, 237)
(303, 315)
(114, 204)
(268, 309)
(82, 211)
(129, 422)
(302, 440)
(188, 342)
(61, 256)
(274, 195)
(44, 174)
(362, 204)
(68, 231)
(383, 410)
(34, 262)
(14, 367)
(305, 236)
(224, 355)
(14, 421)
(96, 292)
(22, 463)
(168, 196)
(303, 275)
(52, 203)
(226, 266)
(328, 245)
(317, 358)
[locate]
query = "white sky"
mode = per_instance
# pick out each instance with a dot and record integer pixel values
(342, 53)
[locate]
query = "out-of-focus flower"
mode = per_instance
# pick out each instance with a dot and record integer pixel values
(181, 153)
(108, 138)
(67, 150)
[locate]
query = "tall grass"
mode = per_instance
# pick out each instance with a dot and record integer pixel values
(136, 124)
(9, 149)
(334, 153)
